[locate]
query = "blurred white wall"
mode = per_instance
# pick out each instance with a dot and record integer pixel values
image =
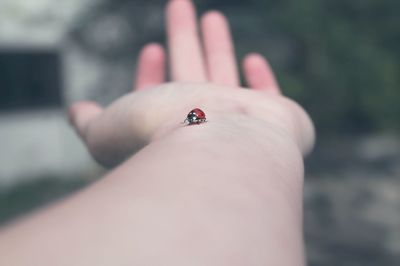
(40, 144)
(38, 22)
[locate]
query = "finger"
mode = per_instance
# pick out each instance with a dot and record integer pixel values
(219, 51)
(259, 74)
(151, 67)
(187, 63)
(80, 115)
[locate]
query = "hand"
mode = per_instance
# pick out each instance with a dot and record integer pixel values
(208, 81)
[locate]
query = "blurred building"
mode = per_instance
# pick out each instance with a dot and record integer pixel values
(36, 81)
(53, 53)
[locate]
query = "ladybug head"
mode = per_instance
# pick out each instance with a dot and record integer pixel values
(192, 116)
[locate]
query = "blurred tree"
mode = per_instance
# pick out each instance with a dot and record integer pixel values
(342, 61)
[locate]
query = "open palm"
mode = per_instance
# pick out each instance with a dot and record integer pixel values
(204, 74)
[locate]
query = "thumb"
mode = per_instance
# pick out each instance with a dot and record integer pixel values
(81, 113)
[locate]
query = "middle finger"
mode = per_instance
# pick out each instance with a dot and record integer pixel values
(187, 63)
(218, 44)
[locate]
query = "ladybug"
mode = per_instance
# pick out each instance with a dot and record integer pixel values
(196, 116)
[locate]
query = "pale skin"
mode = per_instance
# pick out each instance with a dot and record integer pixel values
(225, 192)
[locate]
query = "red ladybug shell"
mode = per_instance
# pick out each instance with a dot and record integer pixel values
(199, 113)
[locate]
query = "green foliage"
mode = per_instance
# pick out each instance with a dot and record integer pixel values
(343, 61)
(349, 73)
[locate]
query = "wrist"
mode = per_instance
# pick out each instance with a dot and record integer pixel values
(247, 142)
(231, 130)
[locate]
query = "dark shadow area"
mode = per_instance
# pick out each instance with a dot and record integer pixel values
(29, 79)
(29, 196)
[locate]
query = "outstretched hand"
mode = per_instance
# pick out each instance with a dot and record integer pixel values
(208, 80)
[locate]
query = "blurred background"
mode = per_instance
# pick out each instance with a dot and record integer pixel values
(340, 59)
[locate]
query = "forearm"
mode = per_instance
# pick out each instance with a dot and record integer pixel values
(202, 195)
